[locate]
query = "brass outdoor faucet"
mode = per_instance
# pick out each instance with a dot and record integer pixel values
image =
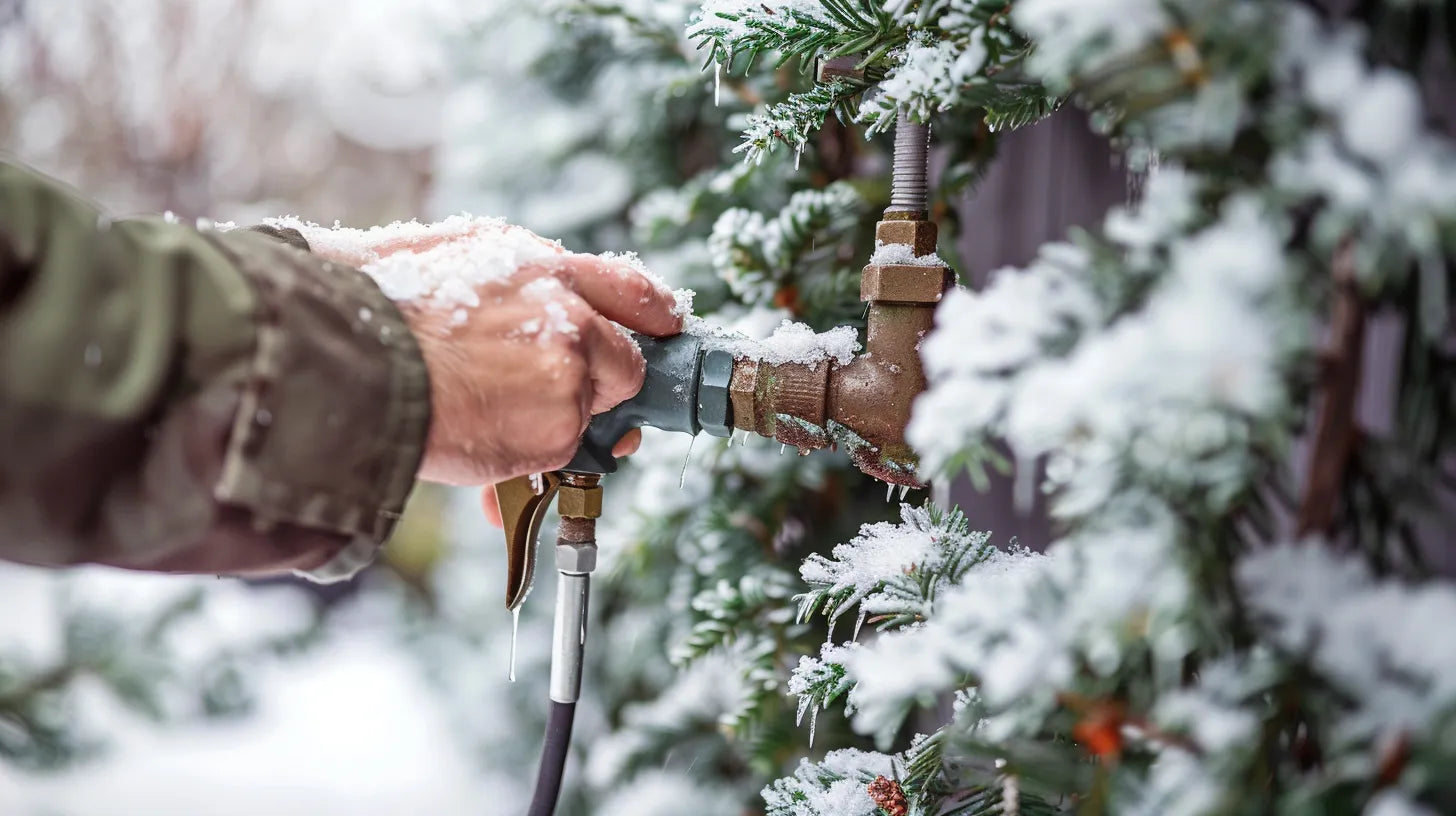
(863, 406)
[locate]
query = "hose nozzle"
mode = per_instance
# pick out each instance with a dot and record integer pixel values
(580, 504)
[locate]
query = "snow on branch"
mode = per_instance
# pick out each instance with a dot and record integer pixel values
(758, 257)
(836, 786)
(1385, 643)
(791, 27)
(894, 570)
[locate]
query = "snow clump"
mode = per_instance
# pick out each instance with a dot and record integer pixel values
(902, 255)
(443, 262)
(790, 343)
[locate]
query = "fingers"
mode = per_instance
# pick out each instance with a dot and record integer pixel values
(622, 293)
(490, 503)
(629, 443)
(615, 363)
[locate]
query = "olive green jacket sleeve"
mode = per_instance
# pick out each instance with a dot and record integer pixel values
(191, 400)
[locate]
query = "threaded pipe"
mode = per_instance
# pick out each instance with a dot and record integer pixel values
(910, 173)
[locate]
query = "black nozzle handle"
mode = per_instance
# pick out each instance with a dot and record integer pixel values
(668, 400)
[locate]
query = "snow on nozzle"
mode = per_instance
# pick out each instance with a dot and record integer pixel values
(685, 389)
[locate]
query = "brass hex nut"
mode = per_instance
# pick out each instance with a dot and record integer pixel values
(905, 284)
(742, 391)
(579, 502)
(918, 235)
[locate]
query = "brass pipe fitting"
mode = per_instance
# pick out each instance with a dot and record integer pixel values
(863, 406)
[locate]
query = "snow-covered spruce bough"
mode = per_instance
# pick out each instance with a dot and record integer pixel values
(1207, 633)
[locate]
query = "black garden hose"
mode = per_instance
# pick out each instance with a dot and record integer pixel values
(553, 759)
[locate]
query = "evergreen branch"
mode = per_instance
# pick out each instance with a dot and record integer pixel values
(759, 259)
(820, 681)
(791, 121)
(895, 571)
(727, 610)
(1025, 106)
(822, 30)
(761, 684)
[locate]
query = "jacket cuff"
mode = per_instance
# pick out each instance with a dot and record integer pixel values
(334, 357)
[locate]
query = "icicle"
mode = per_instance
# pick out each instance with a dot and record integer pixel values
(858, 623)
(717, 83)
(515, 628)
(803, 706)
(798, 154)
(538, 486)
(829, 636)
(813, 721)
(889, 492)
(903, 490)
(940, 492)
(682, 478)
(1024, 484)
(782, 448)
(1011, 795)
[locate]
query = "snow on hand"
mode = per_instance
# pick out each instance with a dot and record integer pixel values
(442, 262)
(445, 262)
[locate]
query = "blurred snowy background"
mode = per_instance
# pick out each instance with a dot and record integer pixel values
(132, 694)
(193, 696)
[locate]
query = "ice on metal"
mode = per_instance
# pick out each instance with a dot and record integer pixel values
(515, 629)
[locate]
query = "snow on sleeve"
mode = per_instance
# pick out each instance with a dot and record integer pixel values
(790, 343)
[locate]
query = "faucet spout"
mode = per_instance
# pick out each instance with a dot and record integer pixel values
(863, 406)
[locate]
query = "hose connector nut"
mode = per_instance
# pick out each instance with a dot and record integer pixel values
(920, 236)
(904, 284)
(574, 501)
(576, 557)
(715, 408)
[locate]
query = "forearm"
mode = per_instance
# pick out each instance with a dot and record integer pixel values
(192, 401)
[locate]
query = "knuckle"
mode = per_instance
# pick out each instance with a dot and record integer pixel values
(562, 434)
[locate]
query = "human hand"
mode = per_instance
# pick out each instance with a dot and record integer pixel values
(520, 361)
